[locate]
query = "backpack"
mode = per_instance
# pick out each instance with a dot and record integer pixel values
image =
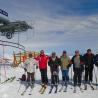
(23, 78)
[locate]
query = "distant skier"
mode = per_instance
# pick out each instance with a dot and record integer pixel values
(77, 61)
(89, 65)
(54, 63)
(65, 61)
(43, 62)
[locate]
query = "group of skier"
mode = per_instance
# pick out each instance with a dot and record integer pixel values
(81, 63)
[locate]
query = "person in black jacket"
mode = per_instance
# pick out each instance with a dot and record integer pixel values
(77, 61)
(54, 63)
(96, 60)
(89, 65)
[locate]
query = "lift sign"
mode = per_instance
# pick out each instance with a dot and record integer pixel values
(3, 12)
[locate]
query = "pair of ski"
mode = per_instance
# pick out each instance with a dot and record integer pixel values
(84, 88)
(52, 86)
(63, 89)
(43, 89)
(81, 90)
(90, 86)
(8, 80)
(26, 88)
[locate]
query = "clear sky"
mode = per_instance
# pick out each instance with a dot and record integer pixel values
(58, 24)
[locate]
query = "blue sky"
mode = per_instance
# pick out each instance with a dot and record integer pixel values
(58, 24)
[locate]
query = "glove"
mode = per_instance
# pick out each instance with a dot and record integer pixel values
(96, 63)
(36, 67)
(82, 68)
(69, 65)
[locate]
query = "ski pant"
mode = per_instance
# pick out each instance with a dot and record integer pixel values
(88, 74)
(30, 77)
(65, 75)
(77, 76)
(54, 78)
(44, 77)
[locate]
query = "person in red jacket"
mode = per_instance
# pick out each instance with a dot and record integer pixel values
(43, 61)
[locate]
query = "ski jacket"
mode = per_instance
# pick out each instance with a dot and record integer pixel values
(89, 60)
(43, 61)
(30, 65)
(78, 64)
(54, 64)
(96, 60)
(65, 62)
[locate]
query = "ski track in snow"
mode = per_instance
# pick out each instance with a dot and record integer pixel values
(10, 90)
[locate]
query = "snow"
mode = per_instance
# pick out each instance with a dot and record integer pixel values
(10, 90)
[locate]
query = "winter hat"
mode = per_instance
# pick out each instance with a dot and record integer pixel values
(64, 52)
(53, 53)
(89, 50)
(77, 51)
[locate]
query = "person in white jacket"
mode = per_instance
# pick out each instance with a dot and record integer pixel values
(30, 66)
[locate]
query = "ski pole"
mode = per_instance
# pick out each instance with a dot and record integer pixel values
(83, 78)
(95, 77)
(19, 87)
(96, 80)
(21, 83)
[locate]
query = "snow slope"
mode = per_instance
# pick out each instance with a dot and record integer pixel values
(10, 90)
